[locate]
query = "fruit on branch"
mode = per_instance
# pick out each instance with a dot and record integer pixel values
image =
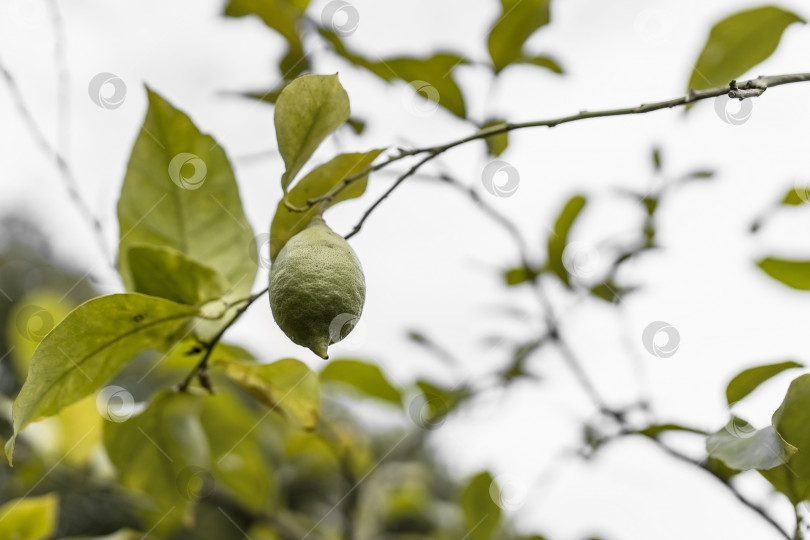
(317, 288)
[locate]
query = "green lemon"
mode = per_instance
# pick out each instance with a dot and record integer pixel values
(317, 288)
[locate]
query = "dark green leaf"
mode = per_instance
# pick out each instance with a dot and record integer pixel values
(29, 518)
(482, 515)
(365, 378)
(657, 429)
(167, 273)
(656, 155)
(518, 20)
(742, 447)
(357, 125)
(496, 144)
(748, 380)
(517, 275)
(92, 343)
(558, 239)
(794, 274)
(198, 214)
(317, 183)
(287, 386)
(542, 61)
(738, 43)
(796, 196)
(307, 111)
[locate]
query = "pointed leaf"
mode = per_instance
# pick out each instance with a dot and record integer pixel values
(558, 239)
(794, 274)
(482, 515)
(796, 196)
(92, 343)
(287, 386)
(748, 380)
(542, 61)
(29, 518)
(738, 43)
(742, 447)
(196, 211)
(307, 111)
(519, 19)
(167, 273)
(317, 183)
(364, 378)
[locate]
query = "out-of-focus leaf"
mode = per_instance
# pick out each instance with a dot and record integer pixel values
(610, 292)
(558, 239)
(656, 156)
(742, 447)
(542, 61)
(307, 111)
(197, 213)
(699, 175)
(721, 470)
(738, 43)
(440, 401)
(317, 183)
(482, 515)
(163, 453)
(656, 430)
(794, 274)
(365, 378)
(518, 20)
(748, 380)
(287, 386)
(496, 144)
(93, 342)
(795, 196)
(517, 275)
(29, 518)
(167, 273)
(357, 125)
(282, 16)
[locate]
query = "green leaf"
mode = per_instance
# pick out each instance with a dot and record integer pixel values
(317, 183)
(517, 275)
(283, 16)
(29, 518)
(88, 347)
(656, 155)
(742, 447)
(795, 197)
(518, 20)
(307, 111)
(365, 378)
(558, 239)
(440, 401)
(610, 292)
(542, 61)
(204, 221)
(655, 430)
(794, 274)
(496, 144)
(791, 420)
(738, 43)
(748, 380)
(167, 273)
(481, 515)
(287, 386)
(161, 453)
(237, 458)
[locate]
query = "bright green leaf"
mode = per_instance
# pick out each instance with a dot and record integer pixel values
(496, 144)
(365, 378)
(796, 196)
(29, 518)
(287, 386)
(738, 43)
(163, 453)
(179, 192)
(748, 380)
(88, 347)
(317, 183)
(558, 239)
(167, 273)
(518, 20)
(307, 111)
(742, 447)
(482, 515)
(794, 274)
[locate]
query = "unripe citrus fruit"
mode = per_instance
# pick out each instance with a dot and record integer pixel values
(317, 288)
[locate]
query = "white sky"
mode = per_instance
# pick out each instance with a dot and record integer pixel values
(432, 261)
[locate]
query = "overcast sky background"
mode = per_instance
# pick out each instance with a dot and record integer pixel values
(433, 262)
